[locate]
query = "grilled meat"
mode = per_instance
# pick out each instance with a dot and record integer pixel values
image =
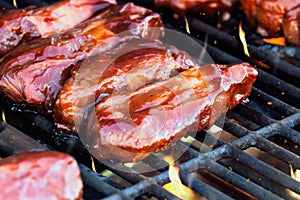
(275, 18)
(34, 73)
(22, 25)
(40, 175)
(291, 26)
(129, 126)
(125, 68)
(204, 8)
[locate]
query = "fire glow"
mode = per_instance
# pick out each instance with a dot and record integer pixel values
(15, 3)
(3, 116)
(187, 27)
(277, 41)
(175, 186)
(242, 35)
(295, 175)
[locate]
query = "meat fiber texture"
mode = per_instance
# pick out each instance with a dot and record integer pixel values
(34, 73)
(22, 25)
(146, 117)
(275, 18)
(130, 126)
(127, 67)
(40, 175)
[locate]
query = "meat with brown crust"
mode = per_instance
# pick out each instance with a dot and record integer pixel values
(129, 126)
(274, 18)
(125, 68)
(34, 73)
(291, 26)
(22, 25)
(40, 175)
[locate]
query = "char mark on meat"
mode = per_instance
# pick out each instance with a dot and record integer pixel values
(20, 26)
(34, 73)
(151, 117)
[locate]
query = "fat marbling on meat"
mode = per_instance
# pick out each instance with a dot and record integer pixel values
(40, 175)
(275, 18)
(19, 26)
(34, 73)
(125, 68)
(129, 126)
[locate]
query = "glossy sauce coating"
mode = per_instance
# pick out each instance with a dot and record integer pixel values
(22, 25)
(274, 18)
(127, 67)
(40, 175)
(34, 73)
(291, 25)
(130, 126)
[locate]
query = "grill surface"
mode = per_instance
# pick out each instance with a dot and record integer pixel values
(249, 161)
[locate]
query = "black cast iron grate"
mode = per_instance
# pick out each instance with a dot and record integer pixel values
(269, 124)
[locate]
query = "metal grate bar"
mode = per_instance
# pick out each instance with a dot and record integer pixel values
(273, 81)
(264, 125)
(253, 115)
(243, 120)
(264, 169)
(281, 128)
(127, 173)
(239, 181)
(259, 54)
(6, 5)
(13, 141)
(277, 104)
(278, 152)
(161, 193)
(264, 77)
(202, 188)
(93, 179)
(235, 129)
(163, 178)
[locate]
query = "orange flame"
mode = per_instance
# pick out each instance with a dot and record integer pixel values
(278, 41)
(175, 186)
(295, 175)
(242, 35)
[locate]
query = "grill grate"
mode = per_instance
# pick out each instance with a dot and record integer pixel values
(270, 128)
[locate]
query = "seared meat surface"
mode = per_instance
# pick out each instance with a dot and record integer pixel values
(40, 175)
(125, 68)
(275, 18)
(127, 95)
(34, 73)
(22, 25)
(129, 126)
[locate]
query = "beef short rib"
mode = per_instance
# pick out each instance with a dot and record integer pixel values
(129, 126)
(22, 25)
(125, 68)
(40, 175)
(275, 18)
(34, 73)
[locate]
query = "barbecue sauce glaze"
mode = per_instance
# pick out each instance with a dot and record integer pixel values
(40, 175)
(275, 18)
(129, 126)
(34, 73)
(20, 26)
